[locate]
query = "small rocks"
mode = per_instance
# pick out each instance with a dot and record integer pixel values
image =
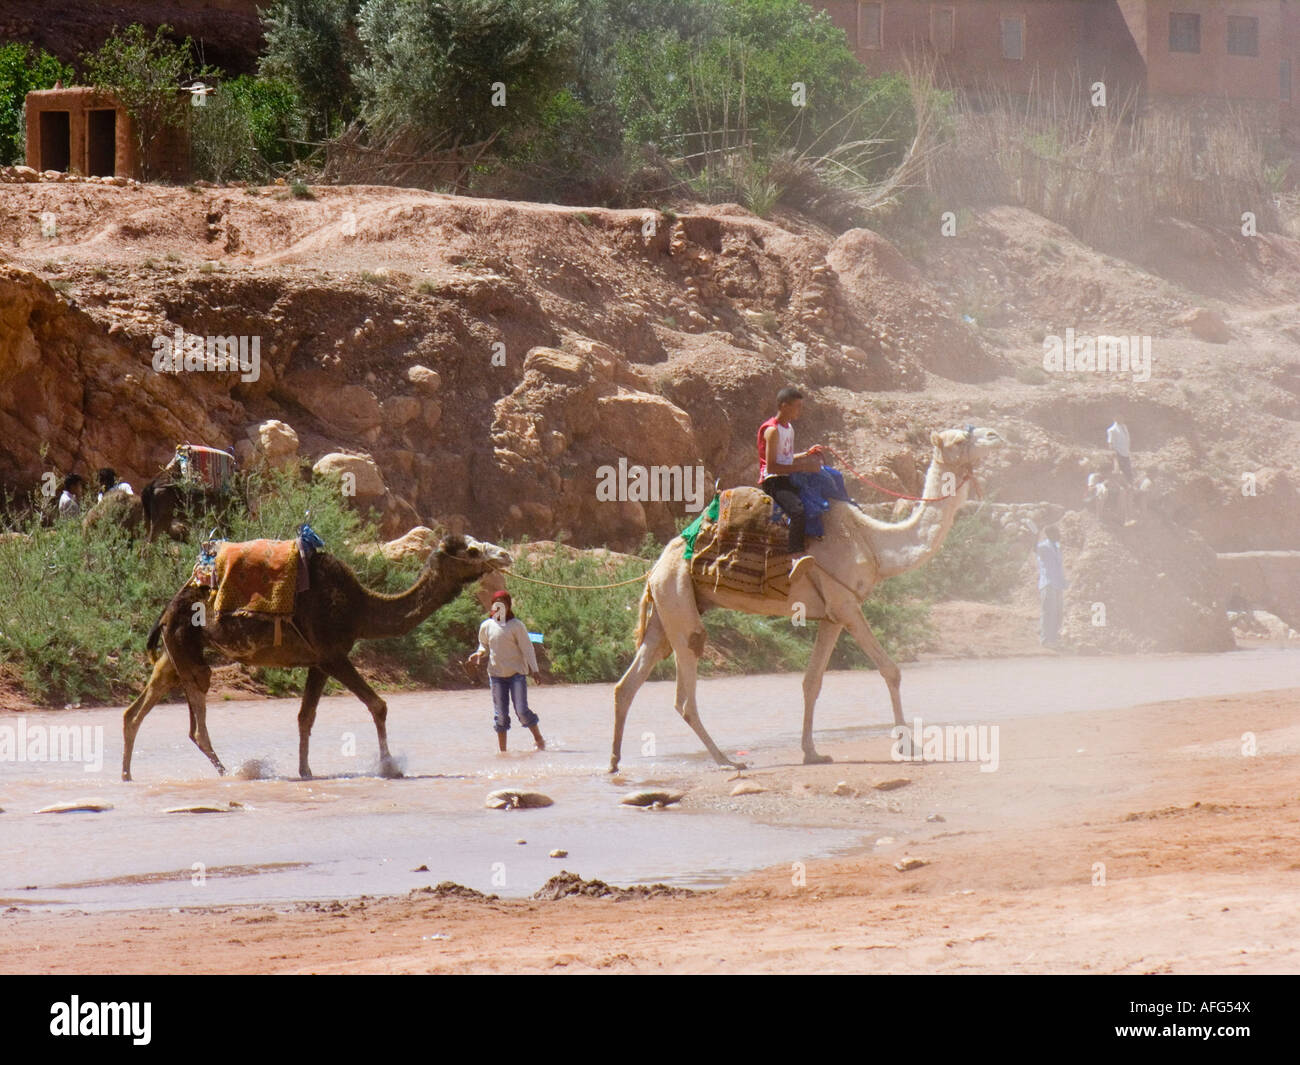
(198, 808)
(884, 841)
(842, 788)
(891, 785)
(652, 798)
(906, 865)
(80, 806)
(748, 787)
(512, 799)
(936, 819)
(559, 853)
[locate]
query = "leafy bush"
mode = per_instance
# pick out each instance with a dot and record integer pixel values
(311, 46)
(245, 130)
(23, 69)
(146, 75)
(431, 67)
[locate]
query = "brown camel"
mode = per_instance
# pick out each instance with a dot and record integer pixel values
(330, 615)
(123, 509)
(856, 553)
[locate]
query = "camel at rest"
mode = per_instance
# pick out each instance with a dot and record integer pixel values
(854, 555)
(331, 614)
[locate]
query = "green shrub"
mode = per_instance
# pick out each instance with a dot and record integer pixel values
(23, 69)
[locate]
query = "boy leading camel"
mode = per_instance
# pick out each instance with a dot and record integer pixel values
(777, 460)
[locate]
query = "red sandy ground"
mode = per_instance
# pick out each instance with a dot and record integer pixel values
(1201, 847)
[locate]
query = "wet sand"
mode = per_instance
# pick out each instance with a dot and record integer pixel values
(1012, 879)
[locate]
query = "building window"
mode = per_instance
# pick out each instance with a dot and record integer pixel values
(1284, 80)
(1243, 35)
(943, 22)
(1013, 38)
(1184, 33)
(871, 19)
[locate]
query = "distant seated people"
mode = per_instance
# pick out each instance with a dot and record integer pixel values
(1118, 439)
(70, 495)
(108, 482)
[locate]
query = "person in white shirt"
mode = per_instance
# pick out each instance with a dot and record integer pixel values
(69, 507)
(1118, 439)
(108, 482)
(503, 640)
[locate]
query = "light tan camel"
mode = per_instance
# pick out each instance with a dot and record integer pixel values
(855, 554)
(330, 615)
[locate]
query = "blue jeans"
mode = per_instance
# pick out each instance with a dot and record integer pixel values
(504, 689)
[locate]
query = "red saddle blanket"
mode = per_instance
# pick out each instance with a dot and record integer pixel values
(744, 550)
(256, 577)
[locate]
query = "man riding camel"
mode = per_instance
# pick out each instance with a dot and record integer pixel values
(777, 460)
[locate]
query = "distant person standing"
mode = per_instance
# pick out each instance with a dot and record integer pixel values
(1118, 439)
(69, 496)
(1051, 587)
(503, 640)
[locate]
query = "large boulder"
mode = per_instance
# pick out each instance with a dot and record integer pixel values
(358, 475)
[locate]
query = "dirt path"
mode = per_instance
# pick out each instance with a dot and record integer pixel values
(1200, 846)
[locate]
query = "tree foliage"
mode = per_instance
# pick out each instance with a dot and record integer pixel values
(148, 75)
(23, 69)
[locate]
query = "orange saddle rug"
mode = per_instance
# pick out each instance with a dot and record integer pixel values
(256, 577)
(744, 550)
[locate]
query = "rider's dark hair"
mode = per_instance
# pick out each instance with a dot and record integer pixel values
(788, 395)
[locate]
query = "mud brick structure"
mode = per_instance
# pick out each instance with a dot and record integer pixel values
(78, 129)
(1196, 57)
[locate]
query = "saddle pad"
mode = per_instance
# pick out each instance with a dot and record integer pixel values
(745, 551)
(256, 577)
(206, 465)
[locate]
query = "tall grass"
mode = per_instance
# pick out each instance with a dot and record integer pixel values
(1105, 173)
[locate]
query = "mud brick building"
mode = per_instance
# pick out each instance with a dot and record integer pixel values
(1199, 56)
(81, 130)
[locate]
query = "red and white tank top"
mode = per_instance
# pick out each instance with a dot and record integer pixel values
(784, 446)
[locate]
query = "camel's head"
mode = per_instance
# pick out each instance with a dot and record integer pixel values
(960, 450)
(471, 557)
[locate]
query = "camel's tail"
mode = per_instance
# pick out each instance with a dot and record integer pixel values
(643, 614)
(155, 635)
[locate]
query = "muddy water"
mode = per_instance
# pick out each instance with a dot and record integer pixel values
(349, 832)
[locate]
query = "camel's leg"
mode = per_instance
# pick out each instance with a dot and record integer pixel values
(316, 678)
(346, 674)
(888, 668)
(654, 647)
(688, 652)
(196, 694)
(827, 633)
(163, 679)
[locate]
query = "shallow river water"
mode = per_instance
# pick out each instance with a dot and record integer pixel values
(348, 832)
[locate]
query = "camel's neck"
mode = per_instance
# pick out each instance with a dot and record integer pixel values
(904, 546)
(396, 615)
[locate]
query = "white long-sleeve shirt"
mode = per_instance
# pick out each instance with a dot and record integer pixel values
(1117, 438)
(508, 647)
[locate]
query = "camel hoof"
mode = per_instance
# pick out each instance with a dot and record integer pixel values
(305, 773)
(813, 758)
(126, 778)
(389, 769)
(735, 765)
